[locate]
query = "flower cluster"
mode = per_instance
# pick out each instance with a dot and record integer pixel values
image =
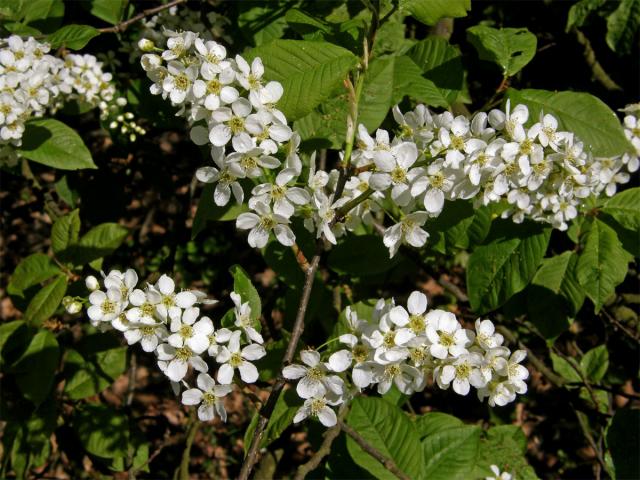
(168, 323)
(540, 173)
(121, 122)
(409, 348)
(33, 82)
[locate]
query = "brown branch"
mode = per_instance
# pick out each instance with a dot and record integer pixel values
(325, 448)
(371, 450)
(596, 68)
(452, 288)
(267, 410)
(122, 26)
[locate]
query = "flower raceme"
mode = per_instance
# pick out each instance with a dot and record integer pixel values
(410, 347)
(540, 172)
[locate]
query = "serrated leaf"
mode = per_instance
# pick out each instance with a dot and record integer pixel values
(110, 11)
(595, 363)
(430, 11)
(510, 48)
(555, 296)
(34, 370)
(505, 265)
(593, 122)
(602, 264)
(625, 208)
(564, 368)
(434, 422)
(451, 453)
(459, 225)
(31, 271)
(73, 36)
(622, 26)
(54, 144)
(46, 301)
(408, 81)
(309, 72)
(242, 286)
(440, 63)
(65, 231)
(389, 430)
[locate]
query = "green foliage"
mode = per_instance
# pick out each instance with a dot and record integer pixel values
(310, 72)
(391, 432)
(35, 368)
(623, 440)
(101, 240)
(430, 11)
(53, 143)
(31, 271)
(602, 264)
(44, 304)
(74, 37)
(342, 258)
(581, 113)
(622, 26)
(555, 296)
(510, 48)
(595, 363)
(451, 453)
(580, 11)
(103, 431)
(625, 208)
(111, 11)
(458, 226)
(565, 369)
(504, 265)
(65, 231)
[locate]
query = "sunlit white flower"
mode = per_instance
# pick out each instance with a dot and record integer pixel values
(232, 357)
(262, 223)
(314, 378)
(208, 396)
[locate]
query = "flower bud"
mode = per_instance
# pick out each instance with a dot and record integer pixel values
(146, 45)
(92, 283)
(73, 307)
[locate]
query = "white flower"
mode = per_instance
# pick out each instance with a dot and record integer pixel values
(516, 373)
(186, 331)
(282, 196)
(262, 223)
(394, 170)
(243, 320)
(497, 475)
(446, 335)
(406, 231)
(171, 303)
(230, 122)
(464, 372)
(405, 377)
(226, 176)
(149, 335)
(145, 306)
(317, 406)
(486, 335)
(209, 396)
(512, 122)
(105, 306)
(314, 380)
(232, 357)
(174, 362)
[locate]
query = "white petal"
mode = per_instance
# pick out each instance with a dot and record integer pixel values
(417, 303)
(248, 372)
(225, 374)
(192, 396)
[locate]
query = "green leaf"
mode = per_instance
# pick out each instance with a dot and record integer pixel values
(208, 211)
(310, 72)
(390, 431)
(510, 48)
(580, 11)
(440, 63)
(504, 446)
(65, 193)
(34, 370)
(603, 263)
(110, 11)
(433, 422)
(54, 144)
(103, 431)
(595, 363)
(555, 296)
(46, 301)
(65, 231)
(261, 24)
(593, 122)
(91, 375)
(286, 407)
(451, 453)
(564, 368)
(625, 208)
(408, 81)
(505, 265)
(622, 26)
(101, 240)
(31, 271)
(460, 225)
(342, 259)
(242, 286)
(623, 440)
(72, 36)
(430, 11)
(40, 11)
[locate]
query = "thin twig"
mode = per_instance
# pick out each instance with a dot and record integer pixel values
(371, 450)
(599, 73)
(131, 387)
(122, 26)
(325, 448)
(624, 329)
(194, 424)
(452, 288)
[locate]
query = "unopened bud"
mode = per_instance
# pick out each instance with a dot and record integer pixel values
(73, 307)
(146, 45)
(92, 283)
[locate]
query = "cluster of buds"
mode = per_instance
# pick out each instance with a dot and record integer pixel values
(119, 121)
